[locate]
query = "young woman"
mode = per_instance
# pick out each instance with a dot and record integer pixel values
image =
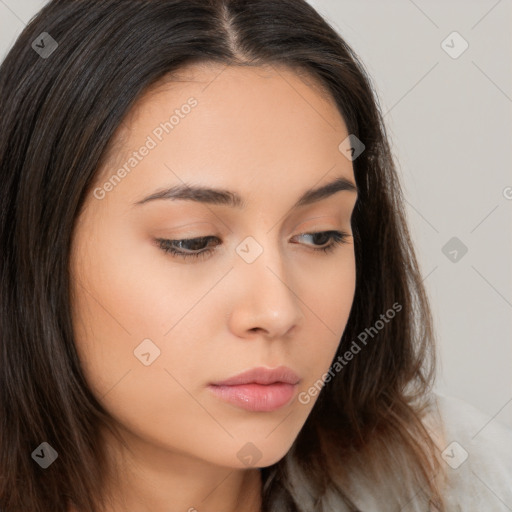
(209, 297)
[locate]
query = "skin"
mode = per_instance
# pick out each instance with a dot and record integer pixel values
(268, 134)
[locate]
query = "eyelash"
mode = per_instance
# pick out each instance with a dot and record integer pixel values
(338, 237)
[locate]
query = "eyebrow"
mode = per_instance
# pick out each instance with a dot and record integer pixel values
(229, 198)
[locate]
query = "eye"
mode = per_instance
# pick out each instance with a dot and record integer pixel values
(337, 237)
(191, 244)
(199, 247)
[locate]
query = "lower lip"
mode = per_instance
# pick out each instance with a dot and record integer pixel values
(256, 397)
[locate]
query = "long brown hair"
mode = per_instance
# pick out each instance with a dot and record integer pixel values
(58, 114)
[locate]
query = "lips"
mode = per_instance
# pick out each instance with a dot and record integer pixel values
(259, 389)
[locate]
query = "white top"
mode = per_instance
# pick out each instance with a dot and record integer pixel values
(477, 451)
(479, 455)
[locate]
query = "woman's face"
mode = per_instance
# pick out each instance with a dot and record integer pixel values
(154, 329)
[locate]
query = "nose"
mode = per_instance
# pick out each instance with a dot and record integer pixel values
(265, 300)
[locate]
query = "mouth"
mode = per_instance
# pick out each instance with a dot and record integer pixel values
(258, 389)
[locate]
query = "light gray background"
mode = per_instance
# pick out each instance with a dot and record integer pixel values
(450, 125)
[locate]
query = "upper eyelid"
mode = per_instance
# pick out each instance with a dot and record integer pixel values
(317, 220)
(304, 232)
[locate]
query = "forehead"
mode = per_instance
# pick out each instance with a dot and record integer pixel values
(248, 123)
(220, 83)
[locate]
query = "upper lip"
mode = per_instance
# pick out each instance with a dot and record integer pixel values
(262, 375)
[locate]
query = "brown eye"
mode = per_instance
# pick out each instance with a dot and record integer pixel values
(182, 248)
(321, 237)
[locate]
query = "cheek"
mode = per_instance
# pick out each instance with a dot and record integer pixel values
(329, 297)
(130, 301)
(120, 305)
(114, 303)
(328, 291)
(124, 288)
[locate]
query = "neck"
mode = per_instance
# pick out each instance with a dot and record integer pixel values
(156, 480)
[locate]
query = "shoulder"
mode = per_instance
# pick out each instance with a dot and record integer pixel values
(476, 449)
